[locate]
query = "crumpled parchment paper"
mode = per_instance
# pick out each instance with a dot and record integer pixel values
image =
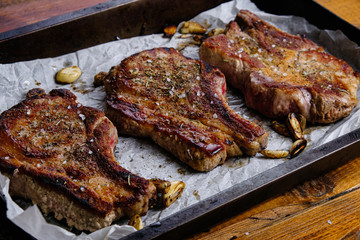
(142, 156)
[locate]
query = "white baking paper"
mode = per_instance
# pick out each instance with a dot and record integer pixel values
(142, 156)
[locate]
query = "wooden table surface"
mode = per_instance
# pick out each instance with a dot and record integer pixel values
(326, 207)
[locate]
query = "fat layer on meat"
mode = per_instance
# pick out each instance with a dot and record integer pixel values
(181, 104)
(279, 73)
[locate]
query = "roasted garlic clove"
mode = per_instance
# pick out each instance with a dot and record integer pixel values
(173, 193)
(167, 192)
(169, 31)
(302, 121)
(294, 126)
(193, 27)
(216, 31)
(297, 147)
(99, 78)
(275, 153)
(162, 186)
(136, 222)
(68, 74)
(198, 38)
(280, 128)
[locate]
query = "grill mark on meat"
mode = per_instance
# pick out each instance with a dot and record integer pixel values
(278, 72)
(179, 101)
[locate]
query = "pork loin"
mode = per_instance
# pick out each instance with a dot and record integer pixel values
(280, 73)
(181, 104)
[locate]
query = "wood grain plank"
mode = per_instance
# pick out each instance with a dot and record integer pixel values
(334, 219)
(19, 13)
(346, 9)
(302, 211)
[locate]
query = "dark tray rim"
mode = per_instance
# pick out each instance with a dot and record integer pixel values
(104, 6)
(200, 216)
(97, 24)
(252, 191)
(64, 18)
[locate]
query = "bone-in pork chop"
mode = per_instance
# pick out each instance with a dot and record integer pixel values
(59, 154)
(180, 103)
(279, 73)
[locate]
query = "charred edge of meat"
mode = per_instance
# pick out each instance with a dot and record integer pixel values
(64, 93)
(245, 23)
(35, 93)
(7, 168)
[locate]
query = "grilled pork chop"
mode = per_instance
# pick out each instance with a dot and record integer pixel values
(279, 73)
(180, 103)
(60, 154)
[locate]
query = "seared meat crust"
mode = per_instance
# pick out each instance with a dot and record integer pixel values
(180, 103)
(60, 154)
(279, 73)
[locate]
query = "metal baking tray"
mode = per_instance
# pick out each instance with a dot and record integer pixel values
(121, 19)
(98, 24)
